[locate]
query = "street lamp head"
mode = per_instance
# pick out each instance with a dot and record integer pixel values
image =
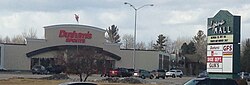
(151, 5)
(125, 2)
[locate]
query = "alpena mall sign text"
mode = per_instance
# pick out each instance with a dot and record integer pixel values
(75, 37)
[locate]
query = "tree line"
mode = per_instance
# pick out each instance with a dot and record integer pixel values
(77, 60)
(196, 47)
(20, 38)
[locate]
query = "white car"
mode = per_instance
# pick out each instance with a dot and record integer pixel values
(174, 73)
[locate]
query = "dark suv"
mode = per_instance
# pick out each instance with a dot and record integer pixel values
(211, 81)
(55, 69)
(159, 73)
(120, 72)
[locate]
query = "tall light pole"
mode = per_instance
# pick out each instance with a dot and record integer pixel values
(136, 9)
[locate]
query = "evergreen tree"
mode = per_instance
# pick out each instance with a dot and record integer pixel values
(184, 48)
(160, 43)
(191, 48)
(112, 34)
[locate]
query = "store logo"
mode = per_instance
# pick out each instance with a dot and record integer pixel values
(75, 37)
(219, 28)
(214, 47)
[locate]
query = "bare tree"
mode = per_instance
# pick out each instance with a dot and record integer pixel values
(141, 45)
(200, 43)
(31, 34)
(1, 39)
(7, 39)
(112, 34)
(80, 61)
(150, 45)
(127, 41)
(179, 42)
(169, 45)
(18, 39)
(245, 58)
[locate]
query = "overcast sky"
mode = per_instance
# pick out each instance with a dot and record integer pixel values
(173, 18)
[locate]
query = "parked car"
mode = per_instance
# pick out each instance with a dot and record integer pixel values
(119, 72)
(131, 71)
(159, 73)
(174, 73)
(105, 72)
(39, 69)
(78, 83)
(211, 81)
(203, 74)
(55, 69)
(143, 74)
(244, 75)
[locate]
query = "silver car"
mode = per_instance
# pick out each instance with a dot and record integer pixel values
(143, 74)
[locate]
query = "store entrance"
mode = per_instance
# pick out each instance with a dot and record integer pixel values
(103, 66)
(46, 62)
(60, 52)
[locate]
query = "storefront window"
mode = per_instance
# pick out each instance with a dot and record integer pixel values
(166, 62)
(34, 61)
(160, 61)
(163, 62)
(42, 61)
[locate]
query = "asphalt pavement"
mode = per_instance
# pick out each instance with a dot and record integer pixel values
(166, 81)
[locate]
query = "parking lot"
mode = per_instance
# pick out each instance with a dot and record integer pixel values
(167, 81)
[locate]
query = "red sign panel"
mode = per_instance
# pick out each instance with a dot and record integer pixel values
(217, 59)
(75, 37)
(228, 48)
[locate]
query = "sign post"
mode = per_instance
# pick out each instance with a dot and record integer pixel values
(223, 49)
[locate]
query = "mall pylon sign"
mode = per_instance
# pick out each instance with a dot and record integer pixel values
(223, 48)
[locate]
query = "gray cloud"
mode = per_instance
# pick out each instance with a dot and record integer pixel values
(174, 18)
(55, 5)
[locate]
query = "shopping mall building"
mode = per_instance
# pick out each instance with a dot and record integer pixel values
(43, 51)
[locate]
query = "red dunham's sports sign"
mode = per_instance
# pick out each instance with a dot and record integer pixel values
(75, 37)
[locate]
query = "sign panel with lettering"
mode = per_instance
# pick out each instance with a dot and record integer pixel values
(220, 39)
(223, 50)
(215, 47)
(74, 37)
(214, 66)
(219, 55)
(214, 53)
(217, 59)
(228, 50)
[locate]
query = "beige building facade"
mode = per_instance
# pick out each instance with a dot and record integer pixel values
(23, 56)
